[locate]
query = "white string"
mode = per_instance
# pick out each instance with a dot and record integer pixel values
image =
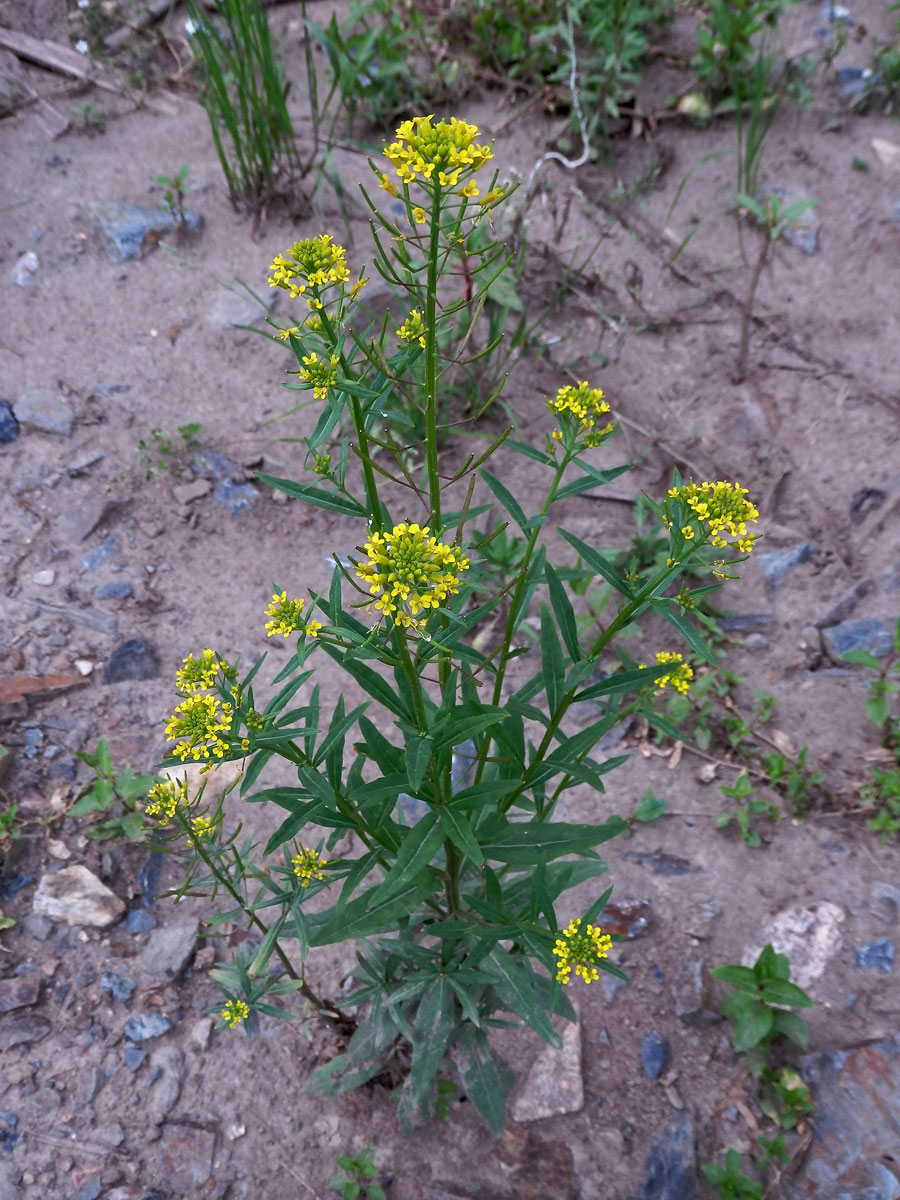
(553, 155)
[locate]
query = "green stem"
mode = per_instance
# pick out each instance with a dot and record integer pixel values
(415, 683)
(431, 450)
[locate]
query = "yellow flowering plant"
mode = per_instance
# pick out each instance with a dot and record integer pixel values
(442, 782)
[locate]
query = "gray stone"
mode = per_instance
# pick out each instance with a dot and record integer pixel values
(83, 463)
(100, 554)
(89, 1190)
(114, 589)
(37, 926)
(140, 921)
(672, 1165)
(235, 496)
(877, 956)
(233, 306)
(168, 951)
(885, 900)
(130, 230)
(846, 605)
(810, 935)
(610, 986)
(864, 633)
(76, 896)
(852, 83)
(748, 623)
(25, 269)
(9, 426)
(19, 992)
(776, 564)
(655, 1054)
(690, 992)
(184, 493)
(20, 1031)
(554, 1084)
(80, 520)
(46, 411)
(146, 1026)
(186, 1154)
(134, 1057)
(866, 500)
(661, 863)
(88, 1084)
(120, 987)
(132, 660)
(169, 1062)
(101, 622)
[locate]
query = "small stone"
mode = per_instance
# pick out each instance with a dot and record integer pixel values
(58, 849)
(865, 501)
(89, 1190)
(139, 920)
(45, 578)
(232, 307)
(700, 919)
(145, 1026)
(81, 464)
(877, 956)
(888, 153)
(630, 918)
(885, 901)
(610, 985)
(37, 926)
(45, 411)
(120, 987)
(100, 554)
(134, 1057)
(661, 863)
(25, 269)
(184, 493)
(844, 607)
(88, 1084)
(810, 935)
(864, 633)
(20, 1031)
(655, 1054)
(19, 992)
(168, 950)
(80, 520)
(200, 1033)
(83, 666)
(169, 1062)
(672, 1165)
(776, 564)
(131, 660)
(76, 896)
(756, 642)
(811, 645)
(9, 426)
(235, 496)
(186, 1154)
(114, 589)
(852, 83)
(554, 1085)
(235, 1130)
(689, 991)
(130, 230)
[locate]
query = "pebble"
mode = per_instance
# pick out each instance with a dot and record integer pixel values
(45, 411)
(748, 623)
(100, 554)
(184, 493)
(139, 920)
(186, 1157)
(200, 1033)
(81, 464)
(630, 918)
(18, 992)
(13, 884)
(236, 306)
(611, 985)
(810, 935)
(25, 269)
(9, 426)
(146, 1026)
(128, 230)
(114, 589)
(655, 1054)
(120, 987)
(8, 1135)
(168, 1061)
(554, 1084)
(852, 83)
(865, 501)
(90, 1190)
(83, 666)
(661, 863)
(133, 1057)
(37, 927)
(235, 496)
(20, 1031)
(863, 633)
(148, 876)
(45, 578)
(776, 564)
(80, 520)
(690, 994)
(844, 607)
(888, 153)
(672, 1164)
(877, 956)
(131, 660)
(76, 896)
(168, 950)
(885, 901)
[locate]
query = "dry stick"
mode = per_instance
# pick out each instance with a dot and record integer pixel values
(154, 10)
(747, 315)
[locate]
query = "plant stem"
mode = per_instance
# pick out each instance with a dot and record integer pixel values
(747, 315)
(431, 450)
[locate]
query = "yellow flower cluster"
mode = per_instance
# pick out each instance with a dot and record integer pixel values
(308, 866)
(287, 617)
(581, 950)
(164, 800)
(320, 374)
(410, 571)
(202, 826)
(586, 405)
(197, 725)
(679, 678)
(722, 509)
(322, 464)
(413, 328)
(311, 263)
(197, 674)
(234, 1012)
(435, 153)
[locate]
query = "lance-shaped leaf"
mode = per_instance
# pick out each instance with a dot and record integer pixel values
(598, 563)
(318, 497)
(431, 1035)
(523, 844)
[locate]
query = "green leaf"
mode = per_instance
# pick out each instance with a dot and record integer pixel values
(565, 614)
(433, 1026)
(419, 846)
(482, 1081)
(753, 1025)
(673, 614)
(340, 1075)
(506, 498)
(792, 1027)
(264, 953)
(553, 669)
(862, 658)
(331, 501)
(649, 807)
(598, 563)
(340, 723)
(530, 452)
(370, 681)
(418, 756)
(780, 991)
(513, 984)
(741, 978)
(526, 844)
(596, 908)
(621, 681)
(368, 914)
(458, 830)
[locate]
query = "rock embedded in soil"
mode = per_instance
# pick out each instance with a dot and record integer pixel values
(672, 1164)
(630, 918)
(186, 1157)
(80, 520)
(690, 993)
(139, 920)
(18, 993)
(45, 411)
(554, 1084)
(661, 863)
(145, 1026)
(128, 230)
(9, 426)
(168, 951)
(100, 554)
(655, 1054)
(114, 589)
(810, 935)
(120, 987)
(168, 1061)
(25, 269)
(776, 564)
(184, 493)
(21, 1031)
(131, 660)
(864, 633)
(845, 607)
(77, 896)
(877, 956)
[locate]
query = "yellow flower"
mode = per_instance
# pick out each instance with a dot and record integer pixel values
(308, 866)
(419, 215)
(313, 262)
(489, 199)
(586, 405)
(202, 826)
(196, 674)
(470, 190)
(285, 614)
(196, 725)
(679, 678)
(722, 509)
(447, 148)
(581, 951)
(311, 628)
(164, 799)
(413, 328)
(410, 571)
(320, 374)
(385, 183)
(356, 289)
(234, 1012)
(285, 334)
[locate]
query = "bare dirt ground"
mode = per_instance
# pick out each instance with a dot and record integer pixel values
(149, 345)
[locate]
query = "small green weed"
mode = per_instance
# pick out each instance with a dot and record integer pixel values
(747, 807)
(730, 1181)
(111, 787)
(882, 792)
(89, 118)
(354, 1181)
(727, 50)
(9, 826)
(167, 453)
(173, 198)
